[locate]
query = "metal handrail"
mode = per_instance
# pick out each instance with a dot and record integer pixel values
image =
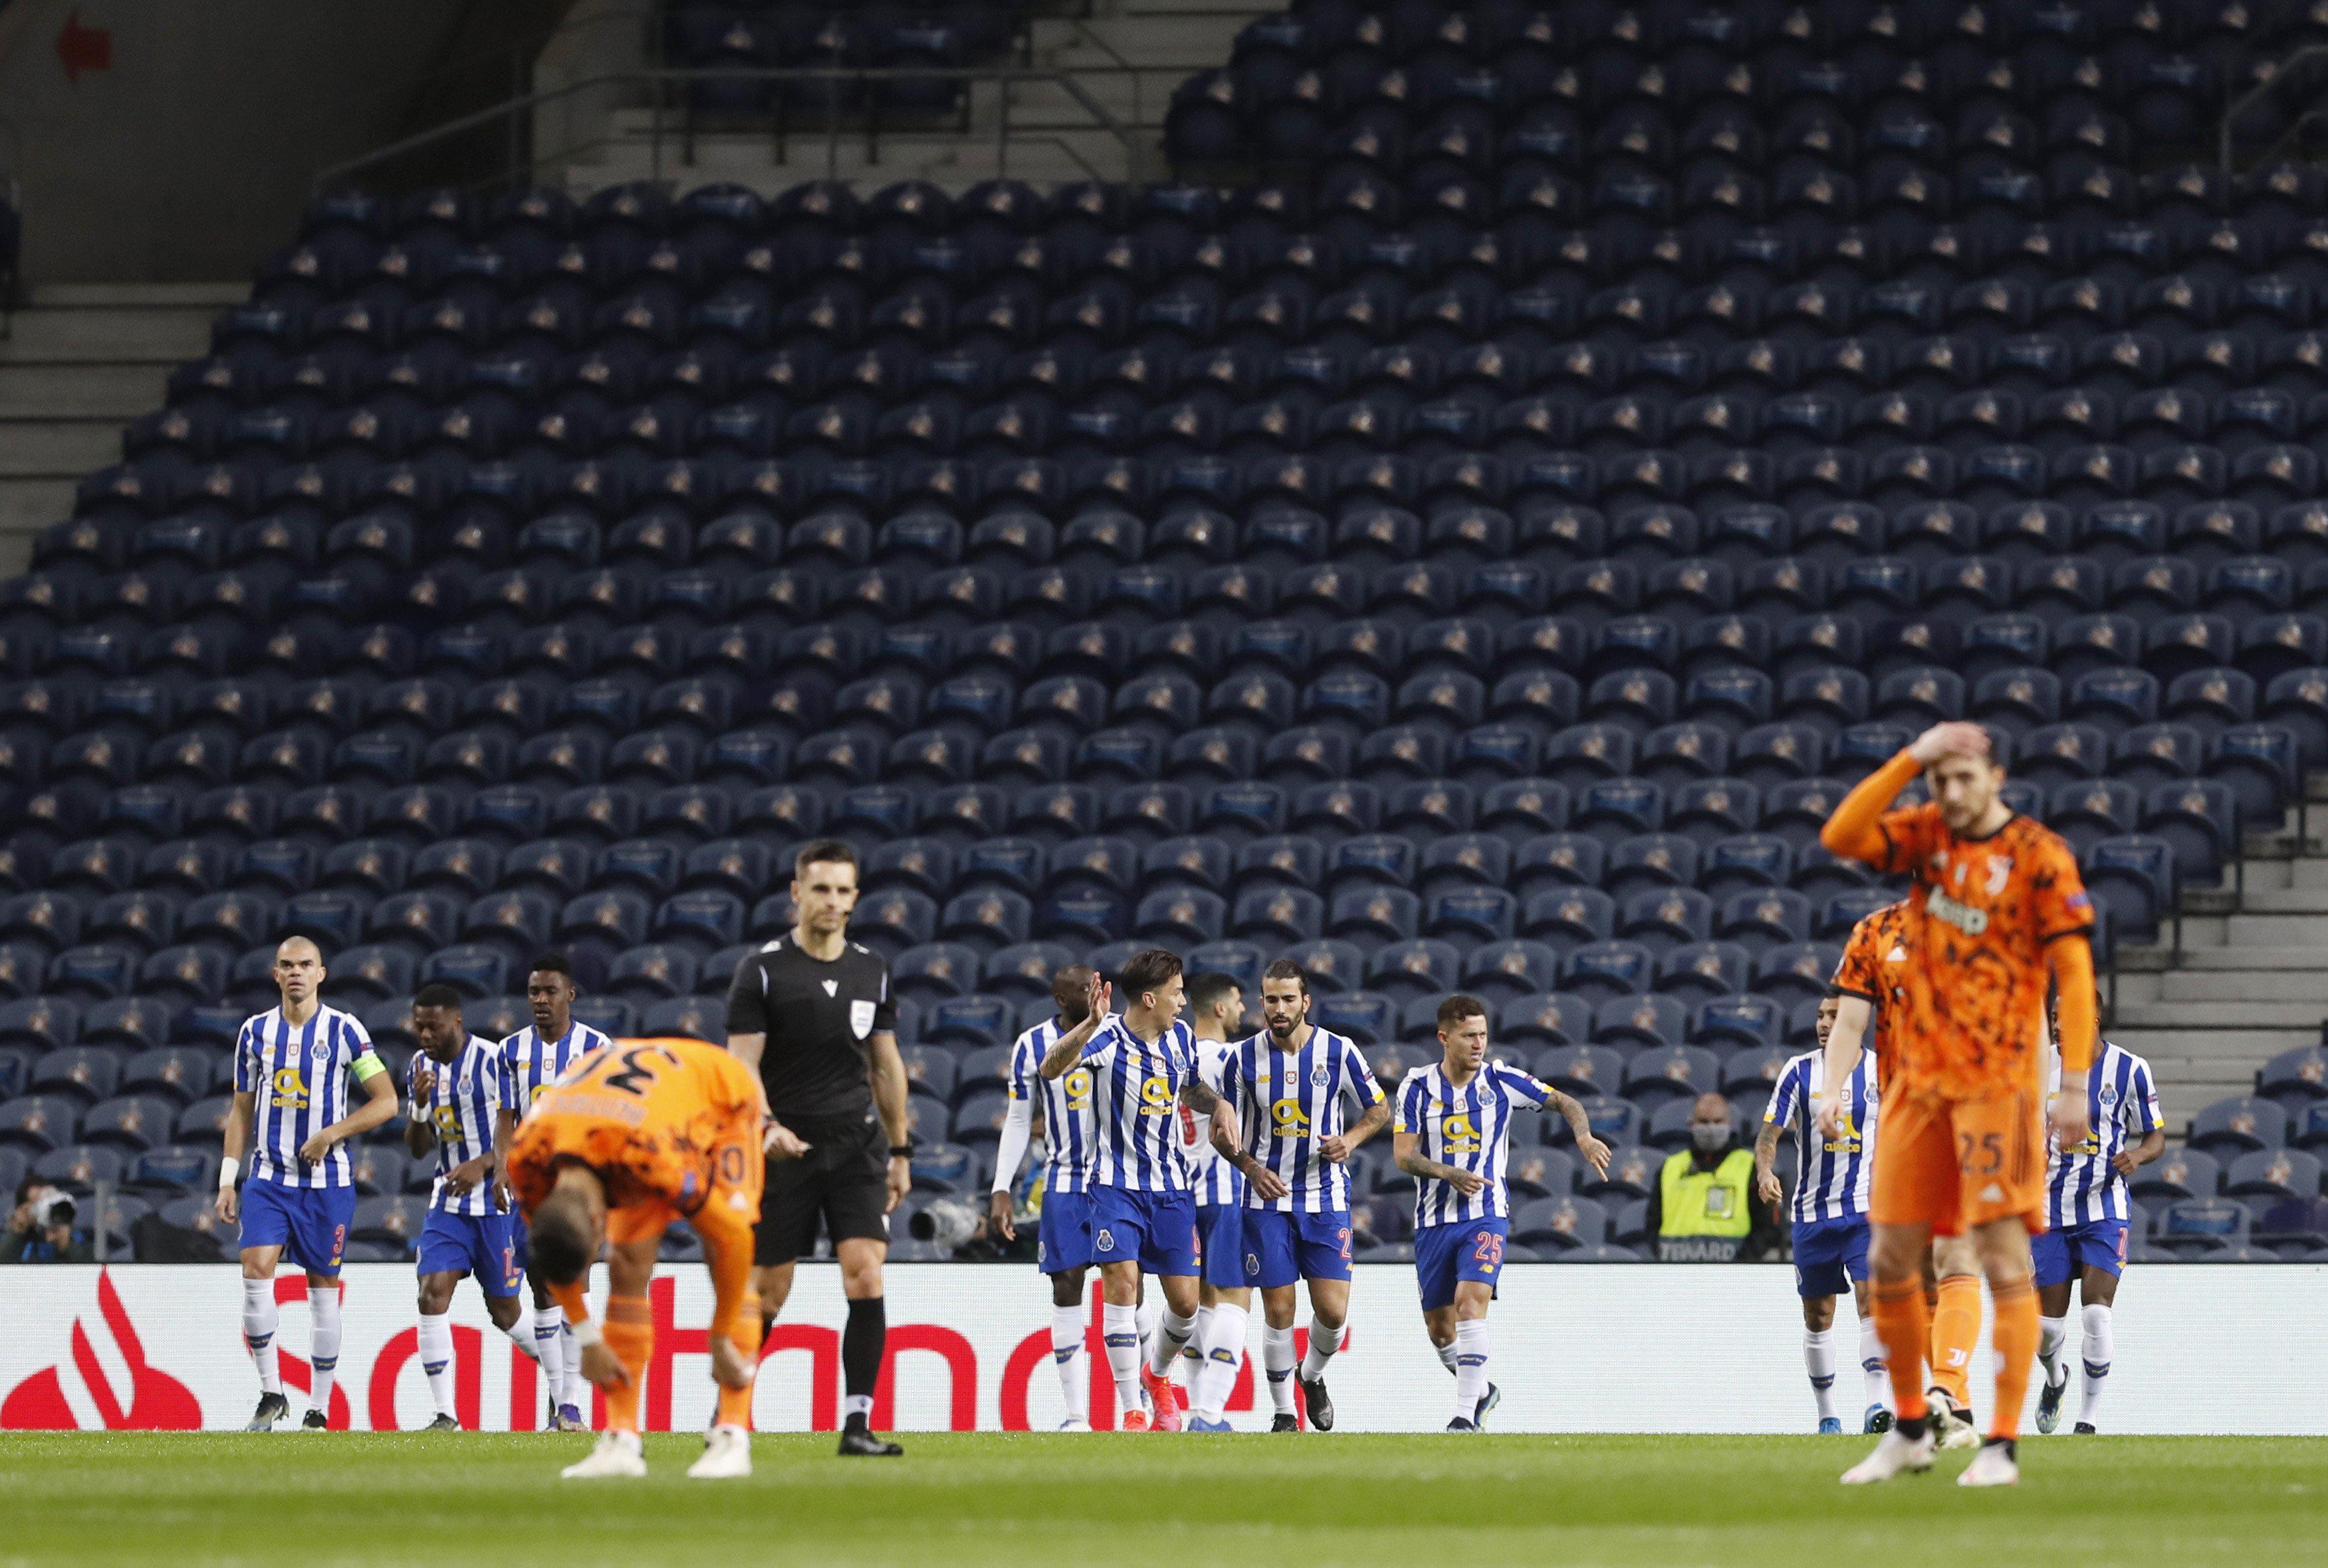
(1003, 76)
(2279, 70)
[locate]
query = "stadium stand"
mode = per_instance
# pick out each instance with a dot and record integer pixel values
(1479, 549)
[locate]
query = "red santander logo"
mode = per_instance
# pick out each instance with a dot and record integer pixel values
(153, 1401)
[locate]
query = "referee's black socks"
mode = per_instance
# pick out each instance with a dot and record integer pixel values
(860, 1360)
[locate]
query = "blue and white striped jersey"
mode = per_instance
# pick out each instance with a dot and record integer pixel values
(1286, 1100)
(533, 1063)
(1469, 1128)
(297, 1077)
(1834, 1179)
(1066, 1106)
(463, 1095)
(2122, 1104)
(1136, 1104)
(1216, 1181)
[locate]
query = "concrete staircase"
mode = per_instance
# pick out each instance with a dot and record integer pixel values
(2252, 977)
(1125, 62)
(83, 360)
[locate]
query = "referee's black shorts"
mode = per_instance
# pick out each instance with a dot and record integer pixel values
(842, 1181)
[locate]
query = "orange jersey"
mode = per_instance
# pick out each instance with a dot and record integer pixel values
(671, 1126)
(1979, 919)
(1874, 968)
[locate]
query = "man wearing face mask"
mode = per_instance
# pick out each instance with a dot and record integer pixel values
(1702, 1209)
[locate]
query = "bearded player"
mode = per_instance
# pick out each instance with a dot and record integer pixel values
(642, 1133)
(1996, 910)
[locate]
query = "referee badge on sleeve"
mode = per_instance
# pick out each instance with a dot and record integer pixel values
(860, 1018)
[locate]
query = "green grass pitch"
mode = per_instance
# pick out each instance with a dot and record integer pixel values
(1383, 1501)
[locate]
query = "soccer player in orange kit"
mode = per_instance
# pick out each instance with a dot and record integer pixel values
(642, 1133)
(1995, 908)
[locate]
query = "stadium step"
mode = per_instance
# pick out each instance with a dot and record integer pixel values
(81, 361)
(2248, 984)
(2225, 1015)
(1186, 42)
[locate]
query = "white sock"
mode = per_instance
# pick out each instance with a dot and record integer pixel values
(1818, 1360)
(1192, 1354)
(1874, 1372)
(854, 1404)
(437, 1357)
(2100, 1340)
(1323, 1343)
(570, 1354)
(1067, 1357)
(520, 1334)
(1144, 1316)
(1120, 1327)
(2051, 1333)
(1217, 1374)
(549, 1350)
(1470, 1367)
(323, 1343)
(260, 1319)
(1446, 1355)
(1173, 1333)
(1277, 1363)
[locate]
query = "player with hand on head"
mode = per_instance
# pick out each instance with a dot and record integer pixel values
(1063, 1236)
(292, 1064)
(460, 1098)
(2087, 1211)
(1454, 1134)
(813, 1014)
(630, 1140)
(1143, 1067)
(1830, 1217)
(533, 1059)
(1995, 912)
(1291, 1086)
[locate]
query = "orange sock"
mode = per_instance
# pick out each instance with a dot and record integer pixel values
(2016, 1351)
(1900, 1323)
(735, 1403)
(1956, 1327)
(630, 1335)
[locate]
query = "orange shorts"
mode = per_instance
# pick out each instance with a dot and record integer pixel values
(1954, 1164)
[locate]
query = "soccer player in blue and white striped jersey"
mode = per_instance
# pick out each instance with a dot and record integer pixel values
(1830, 1214)
(460, 1096)
(1143, 1067)
(1292, 1085)
(533, 1059)
(2087, 1211)
(292, 1064)
(1062, 1233)
(1216, 1012)
(1452, 1133)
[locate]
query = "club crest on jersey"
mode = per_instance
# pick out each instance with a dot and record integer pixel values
(1318, 1075)
(1972, 922)
(320, 1051)
(860, 1018)
(2000, 872)
(832, 987)
(2109, 1095)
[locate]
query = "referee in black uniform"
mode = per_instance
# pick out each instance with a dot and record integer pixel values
(812, 1011)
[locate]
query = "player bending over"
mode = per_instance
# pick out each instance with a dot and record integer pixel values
(1996, 909)
(292, 1064)
(634, 1138)
(1143, 1067)
(1452, 1134)
(1868, 981)
(1830, 1218)
(1062, 1235)
(460, 1096)
(2086, 1209)
(1292, 1086)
